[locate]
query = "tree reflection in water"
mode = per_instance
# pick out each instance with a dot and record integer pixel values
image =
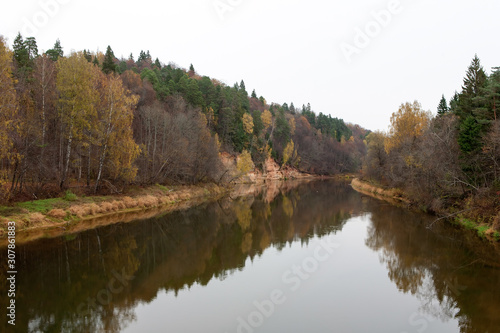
(449, 281)
(62, 277)
(65, 277)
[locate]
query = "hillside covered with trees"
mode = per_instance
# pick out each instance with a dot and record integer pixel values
(98, 122)
(449, 162)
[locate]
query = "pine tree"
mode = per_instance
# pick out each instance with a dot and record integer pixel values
(56, 52)
(254, 95)
(108, 64)
(31, 48)
(442, 107)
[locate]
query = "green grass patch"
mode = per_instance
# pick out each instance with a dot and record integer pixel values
(161, 187)
(468, 224)
(481, 231)
(8, 211)
(41, 206)
(497, 236)
(70, 196)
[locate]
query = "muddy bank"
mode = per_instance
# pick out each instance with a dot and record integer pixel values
(392, 195)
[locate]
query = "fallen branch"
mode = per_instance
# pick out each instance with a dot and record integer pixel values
(447, 216)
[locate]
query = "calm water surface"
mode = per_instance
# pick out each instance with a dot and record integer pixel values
(315, 257)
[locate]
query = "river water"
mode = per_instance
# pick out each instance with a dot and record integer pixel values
(314, 257)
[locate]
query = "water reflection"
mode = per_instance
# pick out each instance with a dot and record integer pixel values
(450, 281)
(94, 281)
(69, 284)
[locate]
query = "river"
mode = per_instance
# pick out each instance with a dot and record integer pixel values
(314, 257)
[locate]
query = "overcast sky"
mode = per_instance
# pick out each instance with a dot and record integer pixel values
(356, 60)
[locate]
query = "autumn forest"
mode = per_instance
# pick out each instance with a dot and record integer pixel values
(94, 121)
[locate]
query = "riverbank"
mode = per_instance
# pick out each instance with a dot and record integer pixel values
(393, 195)
(459, 215)
(72, 214)
(50, 217)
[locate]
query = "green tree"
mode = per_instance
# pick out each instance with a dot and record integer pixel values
(55, 52)
(87, 55)
(454, 103)
(193, 93)
(469, 138)
(474, 83)
(108, 64)
(21, 54)
(492, 92)
(31, 48)
(442, 107)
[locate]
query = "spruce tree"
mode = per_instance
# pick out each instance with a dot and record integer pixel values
(442, 107)
(108, 64)
(21, 56)
(254, 95)
(454, 103)
(474, 83)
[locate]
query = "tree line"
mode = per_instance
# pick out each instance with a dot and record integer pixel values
(90, 119)
(451, 157)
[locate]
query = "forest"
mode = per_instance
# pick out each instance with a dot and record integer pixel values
(449, 162)
(92, 121)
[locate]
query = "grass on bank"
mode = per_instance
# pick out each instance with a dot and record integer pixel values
(70, 207)
(482, 230)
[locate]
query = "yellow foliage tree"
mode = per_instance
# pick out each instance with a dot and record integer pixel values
(406, 125)
(217, 142)
(114, 136)
(76, 84)
(245, 163)
(267, 119)
(8, 109)
(8, 101)
(291, 122)
(288, 152)
(248, 123)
